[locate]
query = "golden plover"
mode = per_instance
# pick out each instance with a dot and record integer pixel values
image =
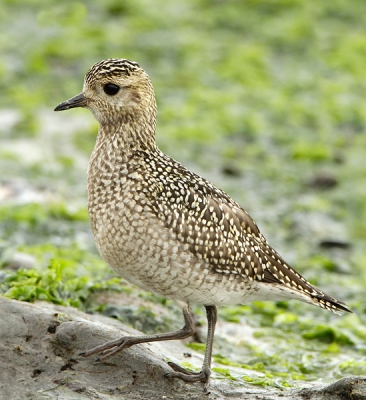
(166, 229)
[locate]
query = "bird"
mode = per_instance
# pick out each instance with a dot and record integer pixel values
(164, 228)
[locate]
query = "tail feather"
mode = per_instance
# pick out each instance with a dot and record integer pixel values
(278, 272)
(330, 303)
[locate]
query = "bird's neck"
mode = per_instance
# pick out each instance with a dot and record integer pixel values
(128, 134)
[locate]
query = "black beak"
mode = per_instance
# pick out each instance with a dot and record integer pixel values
(77, 101)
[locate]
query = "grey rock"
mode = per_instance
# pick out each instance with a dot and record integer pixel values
(39, 358)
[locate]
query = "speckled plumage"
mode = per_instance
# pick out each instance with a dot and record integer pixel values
(164, 228)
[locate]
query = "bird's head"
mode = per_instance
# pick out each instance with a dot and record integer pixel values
(116, 91)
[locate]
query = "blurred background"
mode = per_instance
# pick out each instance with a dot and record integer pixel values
(265, 98)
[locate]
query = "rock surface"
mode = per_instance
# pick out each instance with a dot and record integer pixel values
(39, 358)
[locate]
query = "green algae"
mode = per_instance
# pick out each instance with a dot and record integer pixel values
(60, 283)
(32, 214)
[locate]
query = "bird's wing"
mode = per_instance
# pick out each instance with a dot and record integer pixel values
(222, 234)
(216, 228)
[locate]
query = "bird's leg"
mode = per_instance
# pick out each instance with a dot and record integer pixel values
(204, 374)
(111, 348)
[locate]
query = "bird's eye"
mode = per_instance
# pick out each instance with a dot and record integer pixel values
(111, 89)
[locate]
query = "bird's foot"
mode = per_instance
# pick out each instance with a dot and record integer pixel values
(109, 349)
(189, 376)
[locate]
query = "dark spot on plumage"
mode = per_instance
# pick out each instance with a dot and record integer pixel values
(110, 68)
(135, 96)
